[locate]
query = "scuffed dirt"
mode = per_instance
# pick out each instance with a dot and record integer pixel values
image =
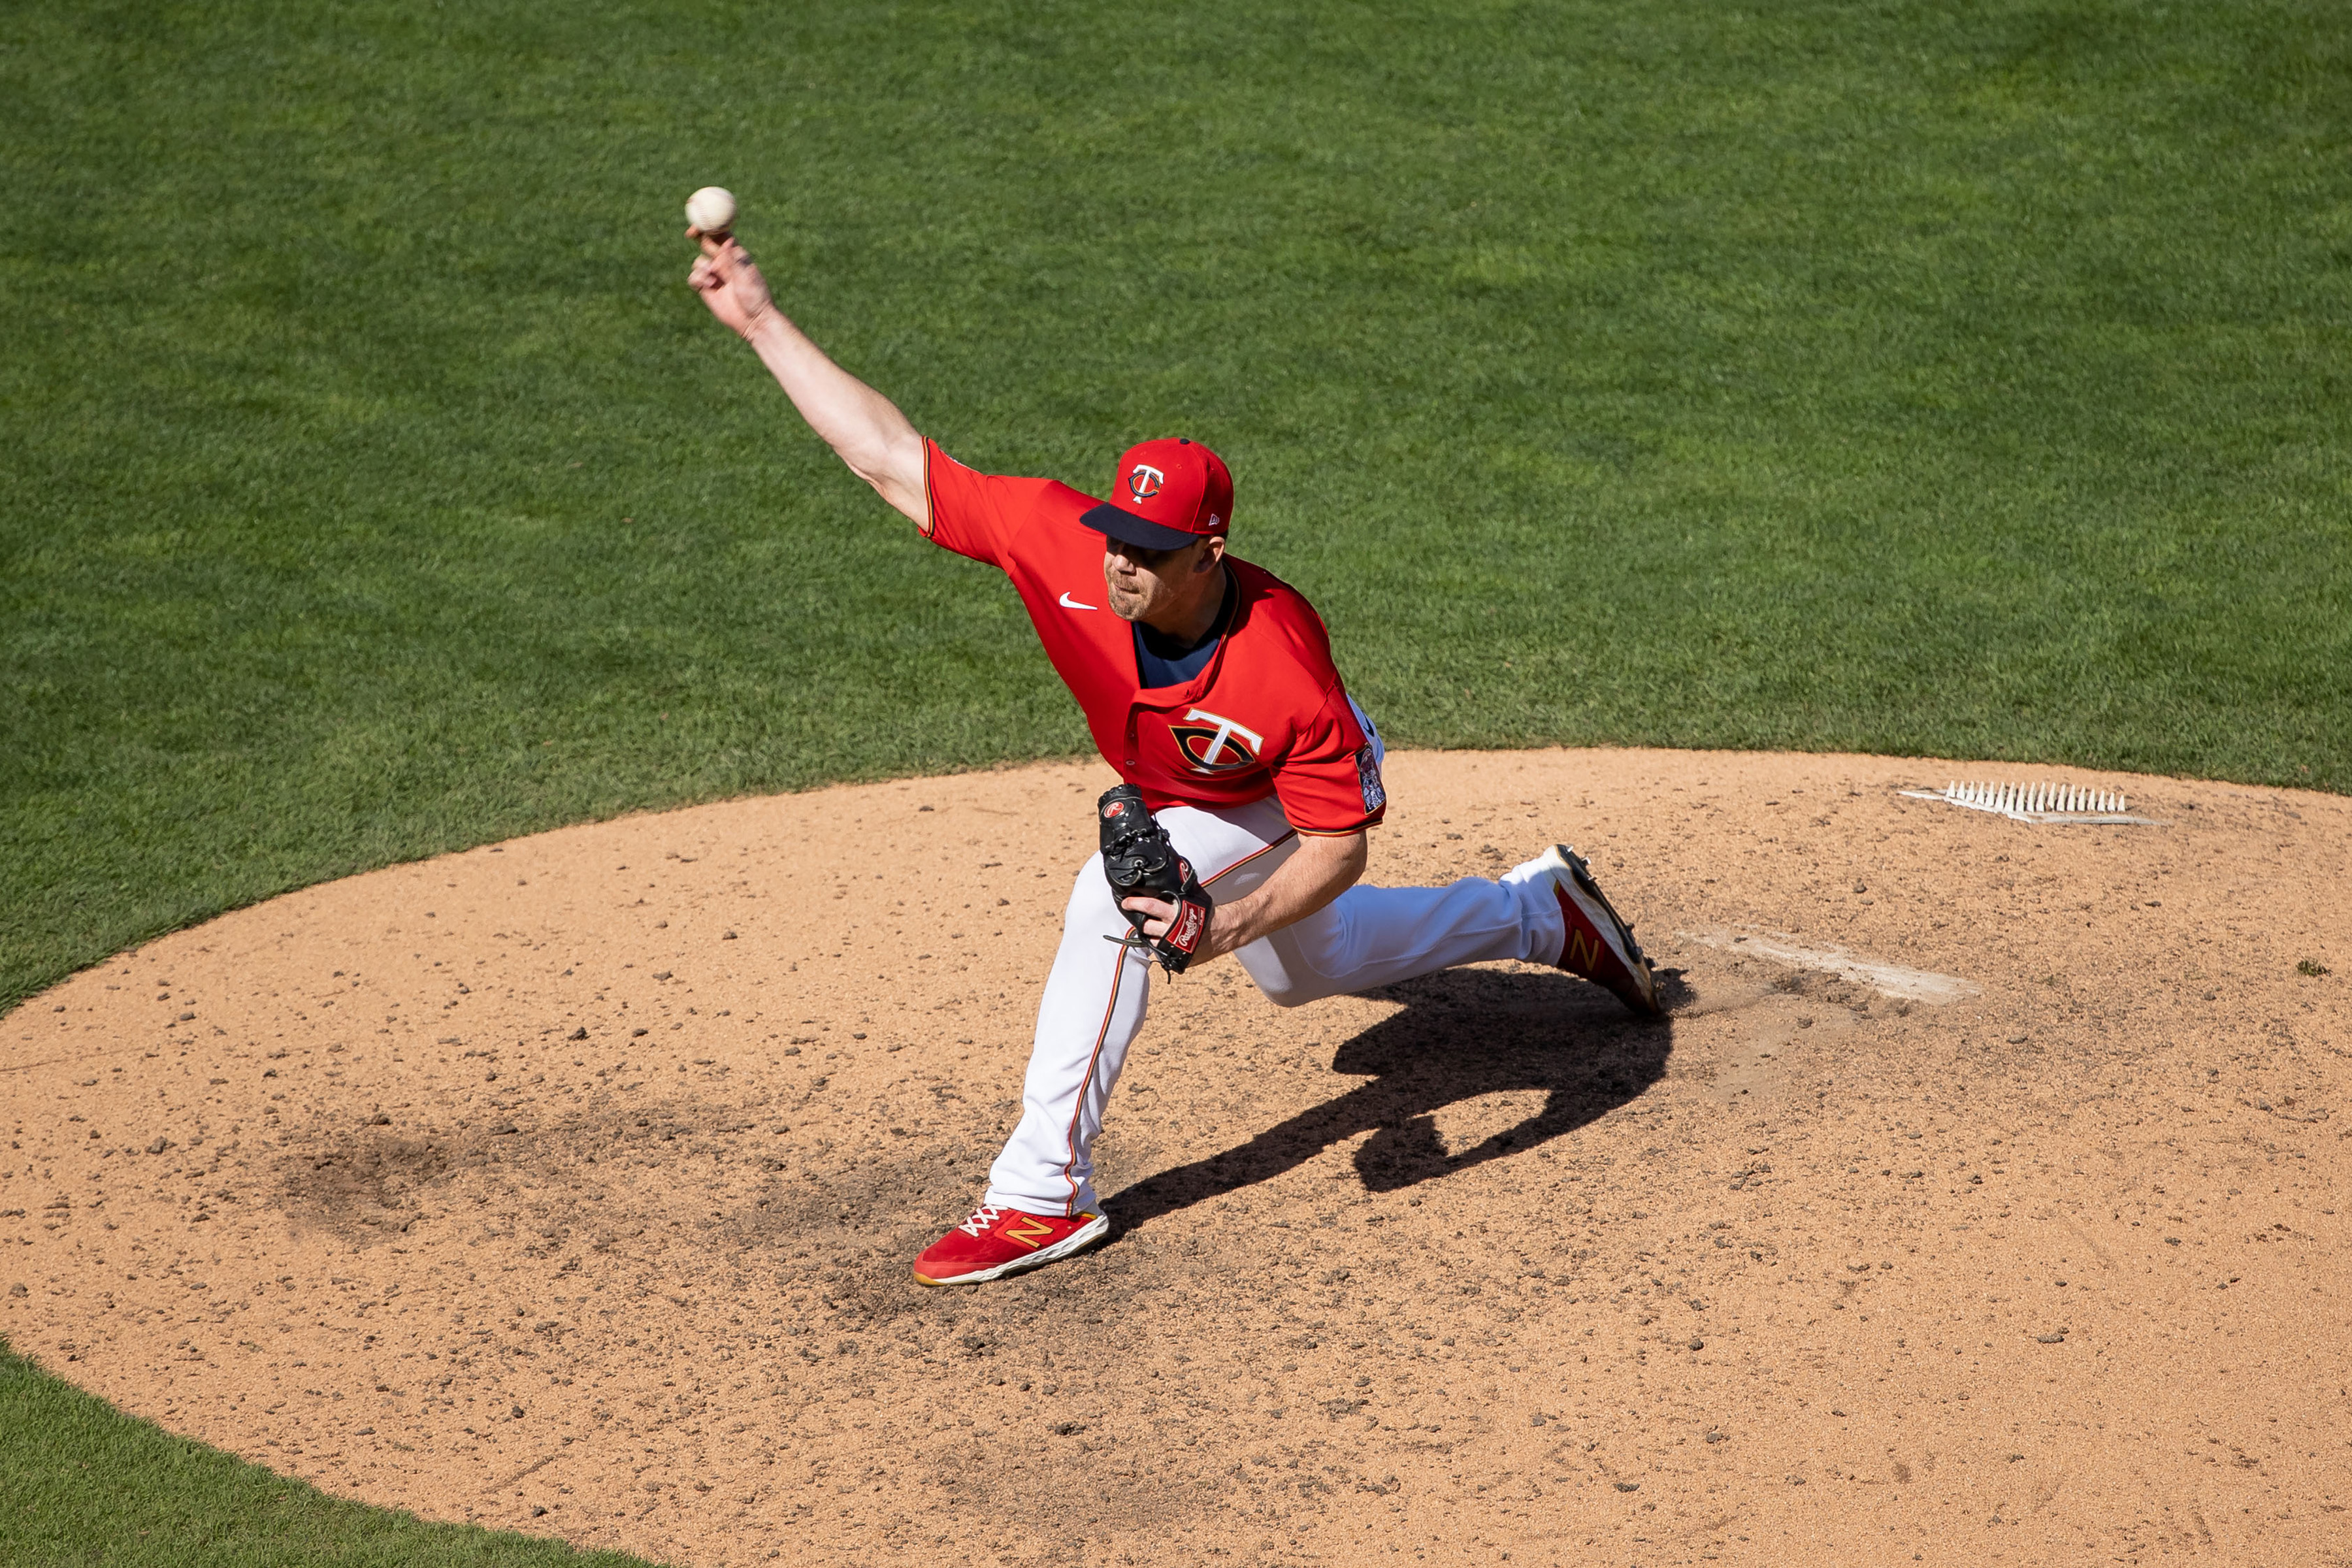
(569, 1184)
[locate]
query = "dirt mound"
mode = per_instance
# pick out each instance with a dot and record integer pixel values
(1979, 1200)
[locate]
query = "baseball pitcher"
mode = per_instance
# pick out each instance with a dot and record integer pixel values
(1250, 776)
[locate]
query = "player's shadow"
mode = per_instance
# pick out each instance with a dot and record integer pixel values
(1463, 1032)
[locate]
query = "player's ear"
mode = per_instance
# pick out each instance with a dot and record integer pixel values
(1212, 549)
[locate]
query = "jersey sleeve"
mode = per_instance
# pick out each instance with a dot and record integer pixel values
(972, 513)
(1329, 780)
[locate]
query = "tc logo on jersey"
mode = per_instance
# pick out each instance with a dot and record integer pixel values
(1213, 744)
(1144, 481)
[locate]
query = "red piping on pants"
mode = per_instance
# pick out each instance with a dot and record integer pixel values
(1119, 977)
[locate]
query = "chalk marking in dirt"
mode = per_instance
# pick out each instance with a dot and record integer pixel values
(1888, 979)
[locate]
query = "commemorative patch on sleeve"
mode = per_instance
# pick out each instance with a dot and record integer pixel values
(1368, 774)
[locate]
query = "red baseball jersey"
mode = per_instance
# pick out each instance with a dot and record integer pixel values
(1268, 715)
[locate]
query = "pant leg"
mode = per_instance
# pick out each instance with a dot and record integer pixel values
(1377, 936)
(1093, 1004)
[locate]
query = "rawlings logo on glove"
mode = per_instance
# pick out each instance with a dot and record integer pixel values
(1140, 863)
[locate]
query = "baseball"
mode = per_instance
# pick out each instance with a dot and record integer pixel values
(712, 210)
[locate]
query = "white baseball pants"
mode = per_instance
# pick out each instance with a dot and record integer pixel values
(1096, 996)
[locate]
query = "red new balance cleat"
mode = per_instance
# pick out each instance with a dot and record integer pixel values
(1600, 945)
(995, 1242)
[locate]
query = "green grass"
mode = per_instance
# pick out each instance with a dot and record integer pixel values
(1900, 376)
(82, 1484)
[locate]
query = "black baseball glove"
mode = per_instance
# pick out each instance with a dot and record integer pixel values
(1140, 863)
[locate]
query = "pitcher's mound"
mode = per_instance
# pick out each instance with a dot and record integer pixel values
(1979, 1200)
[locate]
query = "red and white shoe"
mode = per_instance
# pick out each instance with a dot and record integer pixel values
(995, 1242)
(1600, 945)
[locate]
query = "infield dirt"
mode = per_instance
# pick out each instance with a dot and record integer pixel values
(1981, 1205)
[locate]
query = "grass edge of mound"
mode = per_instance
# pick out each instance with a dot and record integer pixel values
(86, 1483)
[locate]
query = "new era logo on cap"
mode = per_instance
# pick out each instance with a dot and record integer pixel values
(1173, 491)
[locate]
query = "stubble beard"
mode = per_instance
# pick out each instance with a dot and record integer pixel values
(1127, 604)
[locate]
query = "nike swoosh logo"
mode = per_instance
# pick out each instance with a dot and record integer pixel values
(1070, 604)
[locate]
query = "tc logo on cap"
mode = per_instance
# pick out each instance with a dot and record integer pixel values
(1169, 493)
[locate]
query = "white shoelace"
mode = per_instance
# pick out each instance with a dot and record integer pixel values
(982, 1219)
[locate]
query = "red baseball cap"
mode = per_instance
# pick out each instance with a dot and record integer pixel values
(1167, 494)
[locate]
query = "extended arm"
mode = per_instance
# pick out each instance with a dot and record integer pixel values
(865, 429)
(1318, 870)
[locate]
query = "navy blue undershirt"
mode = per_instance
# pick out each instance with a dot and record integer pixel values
(1162, 660)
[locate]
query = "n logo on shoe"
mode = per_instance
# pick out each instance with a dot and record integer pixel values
(1028, 1230)
(1581, 954)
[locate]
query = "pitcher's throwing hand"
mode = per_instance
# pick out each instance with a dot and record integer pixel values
(730, 284)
